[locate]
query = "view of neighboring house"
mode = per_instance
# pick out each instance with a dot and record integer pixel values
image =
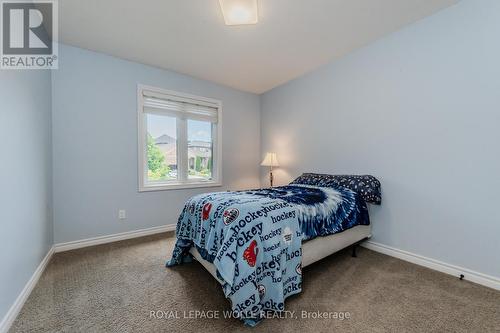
(199, 155)
(168, 146)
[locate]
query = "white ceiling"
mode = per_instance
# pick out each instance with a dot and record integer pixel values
(189, 36)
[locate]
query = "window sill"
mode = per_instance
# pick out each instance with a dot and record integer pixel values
(177, 186)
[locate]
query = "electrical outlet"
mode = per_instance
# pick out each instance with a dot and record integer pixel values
(122, 214)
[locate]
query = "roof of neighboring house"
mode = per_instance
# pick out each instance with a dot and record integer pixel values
(200, 144)
(167, 139)
(164, 139)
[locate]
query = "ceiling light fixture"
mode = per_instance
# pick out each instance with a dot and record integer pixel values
(238, 12)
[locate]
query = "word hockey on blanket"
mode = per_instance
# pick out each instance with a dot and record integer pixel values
(253, 241)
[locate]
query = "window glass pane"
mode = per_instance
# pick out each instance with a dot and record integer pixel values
(161, 148)
(200, 163)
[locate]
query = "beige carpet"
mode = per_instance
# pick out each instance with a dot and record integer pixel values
(113, 288)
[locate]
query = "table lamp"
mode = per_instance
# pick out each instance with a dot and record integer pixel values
(271, 161)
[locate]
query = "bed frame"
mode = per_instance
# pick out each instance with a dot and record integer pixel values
(315, 249)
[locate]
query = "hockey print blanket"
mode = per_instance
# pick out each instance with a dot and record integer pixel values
(254, 241)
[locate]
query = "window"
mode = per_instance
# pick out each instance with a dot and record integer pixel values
(179, 140)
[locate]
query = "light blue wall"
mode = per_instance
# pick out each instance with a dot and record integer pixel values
(25, 178)
(95, 144)
(419, 109)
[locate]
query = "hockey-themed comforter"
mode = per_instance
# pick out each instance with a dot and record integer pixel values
(254, 238)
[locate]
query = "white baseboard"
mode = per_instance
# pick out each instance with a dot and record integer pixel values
(5, 324)
(11, 315)
(476, 277)
(61, 247)
(14, 310)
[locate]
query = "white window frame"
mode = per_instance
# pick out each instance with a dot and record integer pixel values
(183, 182)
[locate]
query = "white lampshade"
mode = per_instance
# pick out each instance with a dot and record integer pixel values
(270, 160)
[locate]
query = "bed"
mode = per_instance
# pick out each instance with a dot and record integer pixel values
(312, 250)
(256, 242)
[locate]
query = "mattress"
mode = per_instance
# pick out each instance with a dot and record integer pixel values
(312, 250)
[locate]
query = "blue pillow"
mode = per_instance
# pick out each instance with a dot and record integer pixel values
(368, 187)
